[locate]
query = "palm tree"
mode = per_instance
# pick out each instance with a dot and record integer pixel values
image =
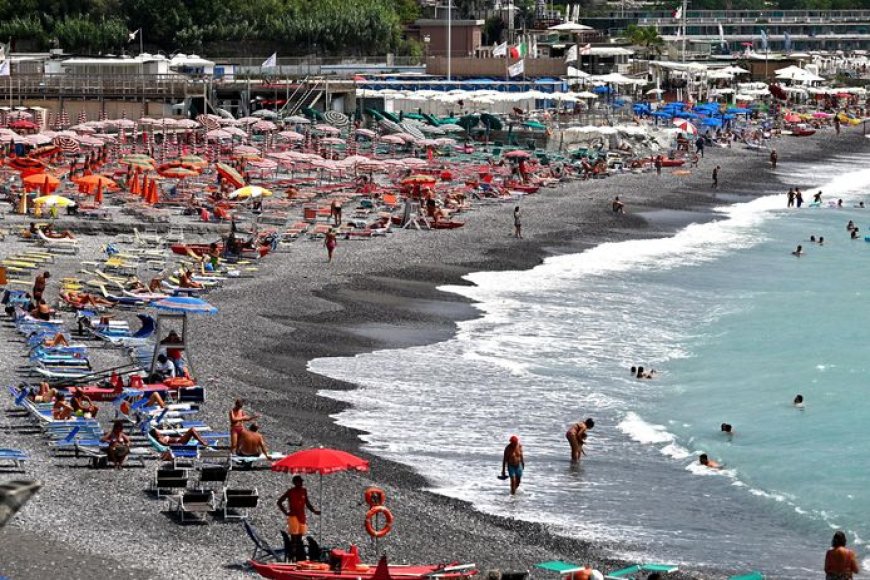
(647, 37)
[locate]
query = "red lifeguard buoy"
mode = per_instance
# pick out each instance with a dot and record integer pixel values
(374, 496)
(370, 518)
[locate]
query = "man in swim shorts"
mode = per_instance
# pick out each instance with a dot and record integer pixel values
(513, 462)
(576, 436)
(297, 526)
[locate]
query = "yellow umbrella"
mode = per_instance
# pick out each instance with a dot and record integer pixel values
(52, 200)
(250, 191)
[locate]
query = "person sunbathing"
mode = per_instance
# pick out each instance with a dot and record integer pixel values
(57, 340)
(44, 393)
(83, 405)
(178, 439)
(61, 410)
(250, 443)
(83, 299)
(42, 311)
(185, 280)
(49, 232)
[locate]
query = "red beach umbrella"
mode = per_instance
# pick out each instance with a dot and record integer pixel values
(320, 460)
(230, 174)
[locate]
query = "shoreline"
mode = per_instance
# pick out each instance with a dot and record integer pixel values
(384, 294)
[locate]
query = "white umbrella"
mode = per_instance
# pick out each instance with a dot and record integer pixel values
(570, 27)
(685, 126)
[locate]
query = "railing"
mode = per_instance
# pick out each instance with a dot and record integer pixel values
(315, 61)
(58, 85)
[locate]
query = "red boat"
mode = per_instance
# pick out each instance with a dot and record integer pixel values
(355, 571)
(668, 162)
(203, 249)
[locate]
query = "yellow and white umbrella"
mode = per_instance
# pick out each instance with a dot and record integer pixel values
(53, 200)
(250, 192)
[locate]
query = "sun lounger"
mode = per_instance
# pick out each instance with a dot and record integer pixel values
(14, 457)
(169, 479)
(263, 552)
(13, 495)
(192, 505)
(236, 503)
(99, 459)
(69, 245)
(641, 569)
(751, 576)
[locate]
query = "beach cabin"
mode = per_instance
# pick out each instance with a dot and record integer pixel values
(120, 66)
(191, 65)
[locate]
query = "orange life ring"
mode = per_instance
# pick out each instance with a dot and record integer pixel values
(374, 496)
(370, 518)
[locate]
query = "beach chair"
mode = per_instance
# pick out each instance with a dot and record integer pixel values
(263, 552)
(751, 576)
(191, 505)
(168, 479)
(13, 495)
(641, 570)
(236, 503)
(14, 457)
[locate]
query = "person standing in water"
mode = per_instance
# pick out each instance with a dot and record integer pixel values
(791, 196)
(716, 177)
(576, 436)
(798, 197)
(514, 462)
(840, 561)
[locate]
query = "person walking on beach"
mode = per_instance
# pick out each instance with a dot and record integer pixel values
(39, 285)
(774, 157)
(330, 241)
(518, 224)
(297, 501)
(576, 436)
(791, 197)
(658, 164)
(716, 177)
(840, 561)
(238, 418)
(335, 211)
(699, 146)
(837, 124)
(514, 462)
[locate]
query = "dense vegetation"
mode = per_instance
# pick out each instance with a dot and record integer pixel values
(291, 27)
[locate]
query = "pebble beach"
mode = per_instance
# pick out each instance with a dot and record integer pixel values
(376, 294)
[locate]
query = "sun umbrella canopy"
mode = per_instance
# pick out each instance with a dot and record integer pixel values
(250, 191)
(93, 182)
(517, 154)
(321, 460)
(685, 126)
(177, 172)
(54, 200)
(44, 181)
(184, 305)
(419, 179)
(230, 174)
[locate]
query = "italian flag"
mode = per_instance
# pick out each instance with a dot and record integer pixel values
(518, 51)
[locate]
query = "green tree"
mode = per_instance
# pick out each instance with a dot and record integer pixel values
(646, 37)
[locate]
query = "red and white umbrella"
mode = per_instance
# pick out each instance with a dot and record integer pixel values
(685, 126)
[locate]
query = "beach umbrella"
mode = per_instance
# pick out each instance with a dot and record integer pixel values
(53, 200)
(685, 126)
(336, 118)
(328, 129)
(250, 192)
(230, 174)
(176, 172)
(321, 461)
(193, 160)
(291, 136)
(517, 154)
(419, 180)
(263, 126)
(184, 305)
(218, 135)
(265, 114)
(92, 182)
(297, 120)
(44, 182)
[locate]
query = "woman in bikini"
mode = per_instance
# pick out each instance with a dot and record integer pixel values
(238, 418)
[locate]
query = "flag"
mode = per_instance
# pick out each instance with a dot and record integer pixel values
(272, 61)
(586, 49)
(517, 69)
(787, 40)
(131, 36)
(518, 51)
(678, 13)
(571, 55)
(533, 51)
(4, 68)
(500, 50)
(722, 42)
(763, 39)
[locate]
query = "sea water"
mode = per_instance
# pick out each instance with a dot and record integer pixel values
(736, 327)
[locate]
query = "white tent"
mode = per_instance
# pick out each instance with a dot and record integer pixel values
(570, 27)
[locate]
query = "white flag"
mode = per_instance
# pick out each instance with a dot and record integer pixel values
(571, 55)
(131, 36)
(272, 61)
(4, 68)
(722, 42)
(500, 50)
(517, 69)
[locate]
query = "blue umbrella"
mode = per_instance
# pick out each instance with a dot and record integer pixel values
(662, 114)
(711, 122)
(185, 305)
(601, 90)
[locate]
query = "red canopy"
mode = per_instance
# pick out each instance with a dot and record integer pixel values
(320, 461)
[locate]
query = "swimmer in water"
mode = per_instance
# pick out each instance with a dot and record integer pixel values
(861, 204)
(639, 373)
(850, 226)
(813, 239)
(798, 252)
(707, 462)
(727, 429)
(839, 203)
(854, 234)
(821, 240)
(799, 401)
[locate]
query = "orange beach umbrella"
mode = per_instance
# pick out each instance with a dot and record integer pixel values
(45, 182)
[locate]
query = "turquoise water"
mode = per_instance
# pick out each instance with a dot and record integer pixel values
(737, 326)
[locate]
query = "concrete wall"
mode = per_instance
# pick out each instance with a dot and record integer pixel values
(114, 109)
(495, 67)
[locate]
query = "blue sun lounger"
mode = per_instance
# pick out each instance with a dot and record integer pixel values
(16, 457)
(751, 576)
(633, 571)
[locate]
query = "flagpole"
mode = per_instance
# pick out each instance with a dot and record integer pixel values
(685, 9)
(141, 42)
(449, 36)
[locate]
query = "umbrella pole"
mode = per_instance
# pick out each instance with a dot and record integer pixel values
(320, 519)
